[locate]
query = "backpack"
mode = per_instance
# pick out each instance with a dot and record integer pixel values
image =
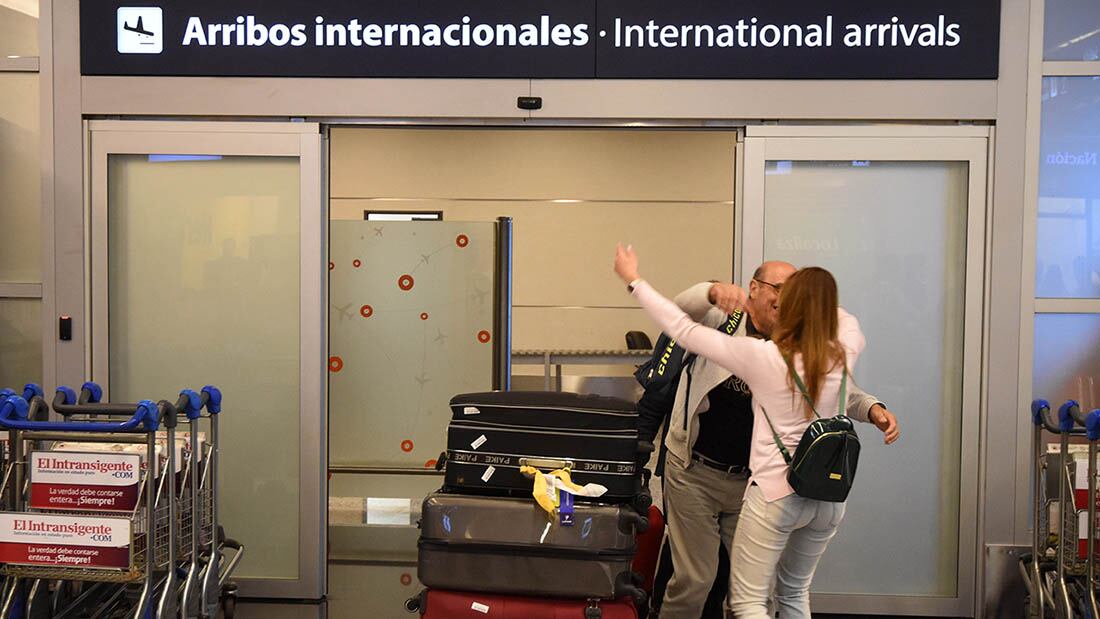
(824, 464)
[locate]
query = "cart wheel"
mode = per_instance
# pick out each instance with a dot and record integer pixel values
(229, 600)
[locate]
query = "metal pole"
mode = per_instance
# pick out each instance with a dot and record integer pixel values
(1062, 597)
(145, 600)
(192, 607)
(1090, 558)
(1038, 542)
(502, 314)
(167, 606)
(210, 588)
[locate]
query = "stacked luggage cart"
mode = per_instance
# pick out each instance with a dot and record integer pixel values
(487, 548)
(106, 514)
(1060, 572)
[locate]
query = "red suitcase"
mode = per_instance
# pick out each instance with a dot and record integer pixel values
(648, 544)
(437, 604)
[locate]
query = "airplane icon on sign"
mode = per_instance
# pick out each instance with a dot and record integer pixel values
(138, 28)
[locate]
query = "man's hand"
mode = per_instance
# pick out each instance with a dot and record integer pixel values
(727, 297)
(885, 421)
(626, 263)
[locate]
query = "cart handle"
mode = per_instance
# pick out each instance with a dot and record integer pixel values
(1092, 424)
(1040, 408)
(1040, 416)
(212, 399)
(13, 416)
(190, 404)
(90, 393)
(1079, 417)
(66, 403)
(1067, 415)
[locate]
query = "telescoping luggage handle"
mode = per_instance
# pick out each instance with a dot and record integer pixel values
(546, 463)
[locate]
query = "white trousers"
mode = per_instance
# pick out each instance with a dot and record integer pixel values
(778, 543)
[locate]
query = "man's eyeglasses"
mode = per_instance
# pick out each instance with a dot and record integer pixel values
(776, 287)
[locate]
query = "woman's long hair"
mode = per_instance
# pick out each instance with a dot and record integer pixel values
(808, 326)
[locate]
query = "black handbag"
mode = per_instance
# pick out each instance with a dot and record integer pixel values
(824, 464)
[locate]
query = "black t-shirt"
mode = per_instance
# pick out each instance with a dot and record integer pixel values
(725, 429)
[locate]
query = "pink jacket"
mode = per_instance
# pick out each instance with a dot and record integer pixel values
(759, 364)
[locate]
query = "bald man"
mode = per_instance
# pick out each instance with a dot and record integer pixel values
(706, 448)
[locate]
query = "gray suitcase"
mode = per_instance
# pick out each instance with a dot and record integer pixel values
(510, 545)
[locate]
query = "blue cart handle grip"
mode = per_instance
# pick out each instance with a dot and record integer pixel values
(213, 399)
(13, 416)
(1065, 415)
(69, 395)
(1039, 408)
(1092, 424)
(94, 391)
(31, 390)
(192, 403)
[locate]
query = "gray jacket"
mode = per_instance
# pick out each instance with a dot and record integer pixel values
(706, 375)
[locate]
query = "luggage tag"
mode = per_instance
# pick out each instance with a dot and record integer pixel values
(565, 508)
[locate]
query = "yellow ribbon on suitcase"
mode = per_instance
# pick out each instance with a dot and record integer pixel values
(549, 486)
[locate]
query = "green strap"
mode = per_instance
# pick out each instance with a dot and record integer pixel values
(775, 436)
(802, 388)
(841, 404)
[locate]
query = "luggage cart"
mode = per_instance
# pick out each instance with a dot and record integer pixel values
(201, 590)
(1056, 573)
(151, 523)
(1091, 423)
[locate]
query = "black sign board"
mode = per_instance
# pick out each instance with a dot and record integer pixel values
(666, 39)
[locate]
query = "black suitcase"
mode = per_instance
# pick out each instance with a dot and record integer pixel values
(505, 545)
(491, 435)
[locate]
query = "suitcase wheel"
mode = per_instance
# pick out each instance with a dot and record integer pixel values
(412, 604)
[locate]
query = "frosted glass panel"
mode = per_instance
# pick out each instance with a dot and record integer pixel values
(410, 326)
(1071, 30)
(1068, 232)
(203, 284)
(1067, 359)
(20, 342)
(893, 234)
(20, 204)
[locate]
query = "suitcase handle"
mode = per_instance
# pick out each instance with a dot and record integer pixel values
(546, 463)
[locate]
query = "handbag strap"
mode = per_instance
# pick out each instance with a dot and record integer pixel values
(802, 388)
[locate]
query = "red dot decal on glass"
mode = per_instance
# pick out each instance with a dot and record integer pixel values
(356, 263)
(405, 282)
(483, 337)
(430, 464)
(406, 445)
(406, 580)
(335, 364)
(331, 266)
(423, 315)
(462, 240)
(366, 311)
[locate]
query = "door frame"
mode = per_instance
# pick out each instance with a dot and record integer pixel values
(272, 139)
(970, 144)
